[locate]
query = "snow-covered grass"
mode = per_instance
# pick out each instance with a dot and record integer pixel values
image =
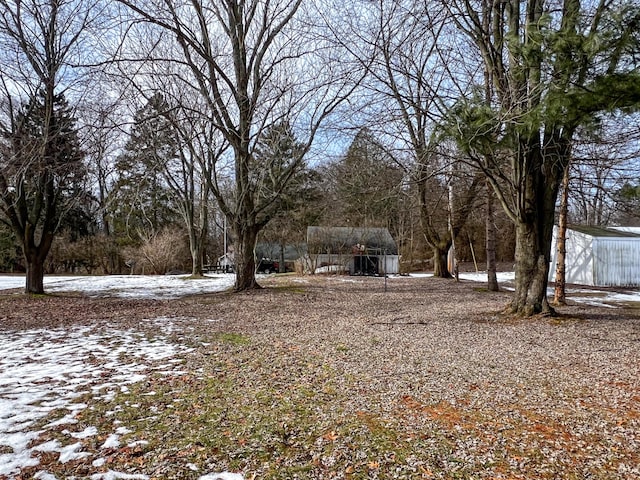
(48, 373)
(51, 373)
(177, 286)
(128, 286)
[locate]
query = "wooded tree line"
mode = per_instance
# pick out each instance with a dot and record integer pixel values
(129, 126)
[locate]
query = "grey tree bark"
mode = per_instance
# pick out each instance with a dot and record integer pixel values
(544, 91)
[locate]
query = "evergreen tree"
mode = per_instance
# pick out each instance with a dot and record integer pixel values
(628, 204)
(368, 185)
(277, 157)
(143, 203)
(277, 152)
(42, 175)
(551, 69)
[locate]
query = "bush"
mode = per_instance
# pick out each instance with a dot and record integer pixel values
(160, 253)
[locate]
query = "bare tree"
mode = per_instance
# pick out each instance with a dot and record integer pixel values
(252, 64)
(605, 160)
(490, 228)
(407, 89)
(559, 294)
(40, 160)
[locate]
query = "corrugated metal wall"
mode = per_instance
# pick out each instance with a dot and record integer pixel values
(599, 261)
(616, 262)
(579, 265)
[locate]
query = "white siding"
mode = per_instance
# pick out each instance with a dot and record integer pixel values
(616, 262)
(578, 258)
(599, 261)
(579, 266)
(389, 264)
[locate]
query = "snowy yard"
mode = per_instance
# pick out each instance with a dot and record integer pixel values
(47, 373)
(53, 378)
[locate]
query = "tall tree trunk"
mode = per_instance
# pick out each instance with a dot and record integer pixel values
(536, 207)
(35, 256)
(246, 237)
(195, 246)
(281, 266)
(492, 277)
(559, 297)
(198, 235)
(440, 256)
(532, 269)
(35, 274)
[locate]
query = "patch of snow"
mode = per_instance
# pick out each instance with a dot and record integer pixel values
(128, 286)
(42, 371)
(482, 276)
(71, 452)
(44, 476)
(13, 462)
(170, 286)
(86, 433)
(137, 442)
(591, 301)
(112, 441)
(50, 446)
(222, 476)
(111, 475)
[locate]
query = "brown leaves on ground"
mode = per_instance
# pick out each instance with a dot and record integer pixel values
(316, 377)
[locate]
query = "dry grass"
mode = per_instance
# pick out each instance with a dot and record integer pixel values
(321, 378)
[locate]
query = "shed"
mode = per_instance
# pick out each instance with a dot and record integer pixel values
(601, 257)
(358, 251)
(285, 254)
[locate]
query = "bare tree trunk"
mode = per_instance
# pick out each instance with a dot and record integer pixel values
(532, 270)
(198, 233)
(559, 297)
(281, 266)
(246, 237)
(492, 278)
(196, 255)
(440, 257)
(35, 275)
(35, 257)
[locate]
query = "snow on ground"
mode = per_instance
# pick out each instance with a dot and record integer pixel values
(46, 371)
(176, 286)
(482, 276)
(591, 296)
(130, 286)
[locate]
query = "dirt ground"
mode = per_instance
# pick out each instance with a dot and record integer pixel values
(358, 377)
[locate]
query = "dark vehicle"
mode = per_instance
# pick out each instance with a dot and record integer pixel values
(267, 265)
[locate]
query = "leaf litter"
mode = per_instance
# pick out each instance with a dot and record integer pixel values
(322, 381)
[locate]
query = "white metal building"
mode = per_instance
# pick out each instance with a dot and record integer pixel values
(602, 257)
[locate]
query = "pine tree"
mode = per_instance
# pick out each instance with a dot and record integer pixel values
(277, 167)
(143, 204)
(41, 175)
(368, 184)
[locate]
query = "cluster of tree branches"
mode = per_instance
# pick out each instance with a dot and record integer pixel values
(138, 116)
